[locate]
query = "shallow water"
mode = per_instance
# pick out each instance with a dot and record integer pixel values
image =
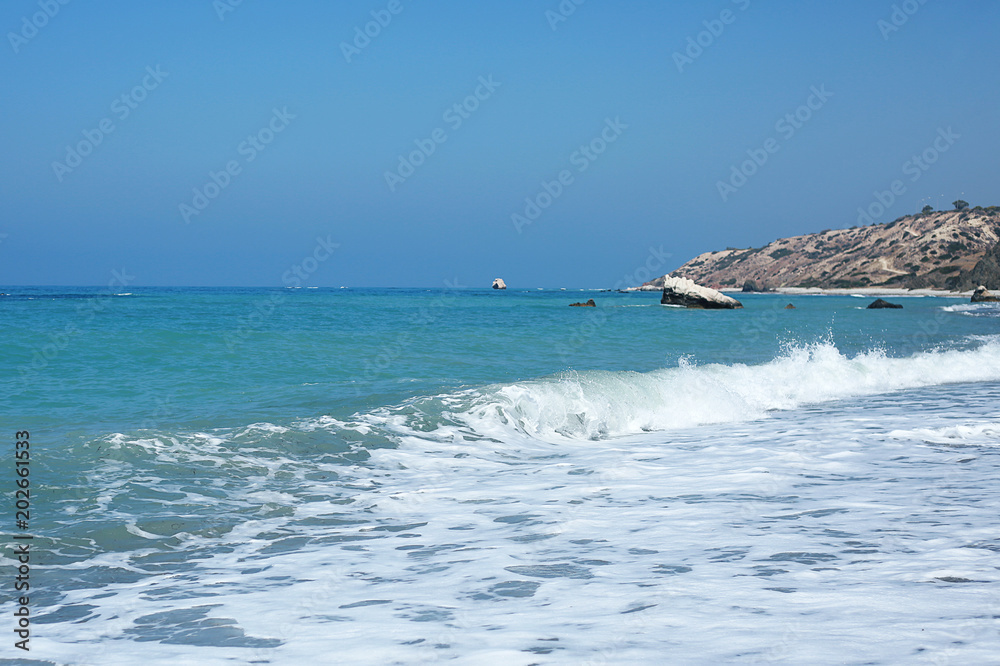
(404, 476)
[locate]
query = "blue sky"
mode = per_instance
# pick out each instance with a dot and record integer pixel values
(210, 85)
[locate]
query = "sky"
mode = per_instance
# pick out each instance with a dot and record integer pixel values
(402, 143)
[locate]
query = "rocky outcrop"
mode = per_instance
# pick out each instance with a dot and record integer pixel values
(589, 304)
(936, 250)
(751, 287)
(681, 291)
(789, 307)
(879, 304)
(985, 273)
(983, 295)
(498, 283)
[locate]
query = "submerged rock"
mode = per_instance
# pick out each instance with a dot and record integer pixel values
(983, 295)
(589, 304)
(879, 304)
(681, 291)
(498, 283)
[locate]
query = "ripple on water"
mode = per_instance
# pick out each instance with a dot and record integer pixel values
(551, 571)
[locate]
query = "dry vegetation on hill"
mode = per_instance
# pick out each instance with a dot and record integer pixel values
(928, 250)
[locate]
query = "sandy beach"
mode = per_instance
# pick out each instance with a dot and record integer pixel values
(895, 292)
(862, 291)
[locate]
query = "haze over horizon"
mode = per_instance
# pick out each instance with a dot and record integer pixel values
(554, 144)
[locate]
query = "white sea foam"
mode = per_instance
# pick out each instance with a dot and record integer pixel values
(975, 309)
(970, 434)
(491, 530)
(601, 405)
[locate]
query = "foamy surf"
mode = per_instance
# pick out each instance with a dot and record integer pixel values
(817, 503)
(603, 405)
(459, 546)
(975, 309)
(970, 434)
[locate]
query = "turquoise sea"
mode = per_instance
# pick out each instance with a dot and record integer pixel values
(396, 476)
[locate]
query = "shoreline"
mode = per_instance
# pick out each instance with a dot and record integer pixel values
(897, 292)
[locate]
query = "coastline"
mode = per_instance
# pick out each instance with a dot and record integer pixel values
(897, 292)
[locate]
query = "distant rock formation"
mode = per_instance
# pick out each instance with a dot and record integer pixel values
(789, 307)
(954, 250)
(498, 283)
(681, 291)
(985, 273)
(879, 304)
(750, 287)
(983, 295)
(589, 304)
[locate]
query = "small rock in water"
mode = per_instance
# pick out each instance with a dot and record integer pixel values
(589, 304)
(879, 304)
(498, 283)
(789, 307)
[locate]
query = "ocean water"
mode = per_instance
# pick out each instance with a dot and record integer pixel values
(349, 476)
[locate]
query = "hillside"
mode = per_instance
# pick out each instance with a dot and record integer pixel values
(943, 250)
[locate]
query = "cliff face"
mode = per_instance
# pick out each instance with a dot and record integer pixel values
(985, 273)
(950, 250)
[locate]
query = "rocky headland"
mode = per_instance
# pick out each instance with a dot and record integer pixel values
(956, 251)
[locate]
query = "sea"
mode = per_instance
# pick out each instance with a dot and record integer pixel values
(471, 476)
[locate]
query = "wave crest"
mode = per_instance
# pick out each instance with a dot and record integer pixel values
(601, 405)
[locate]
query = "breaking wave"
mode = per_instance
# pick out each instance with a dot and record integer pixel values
(601, 405)
(975, 309)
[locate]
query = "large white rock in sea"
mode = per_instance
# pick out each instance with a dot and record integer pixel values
(498, 283)
(681, 291)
